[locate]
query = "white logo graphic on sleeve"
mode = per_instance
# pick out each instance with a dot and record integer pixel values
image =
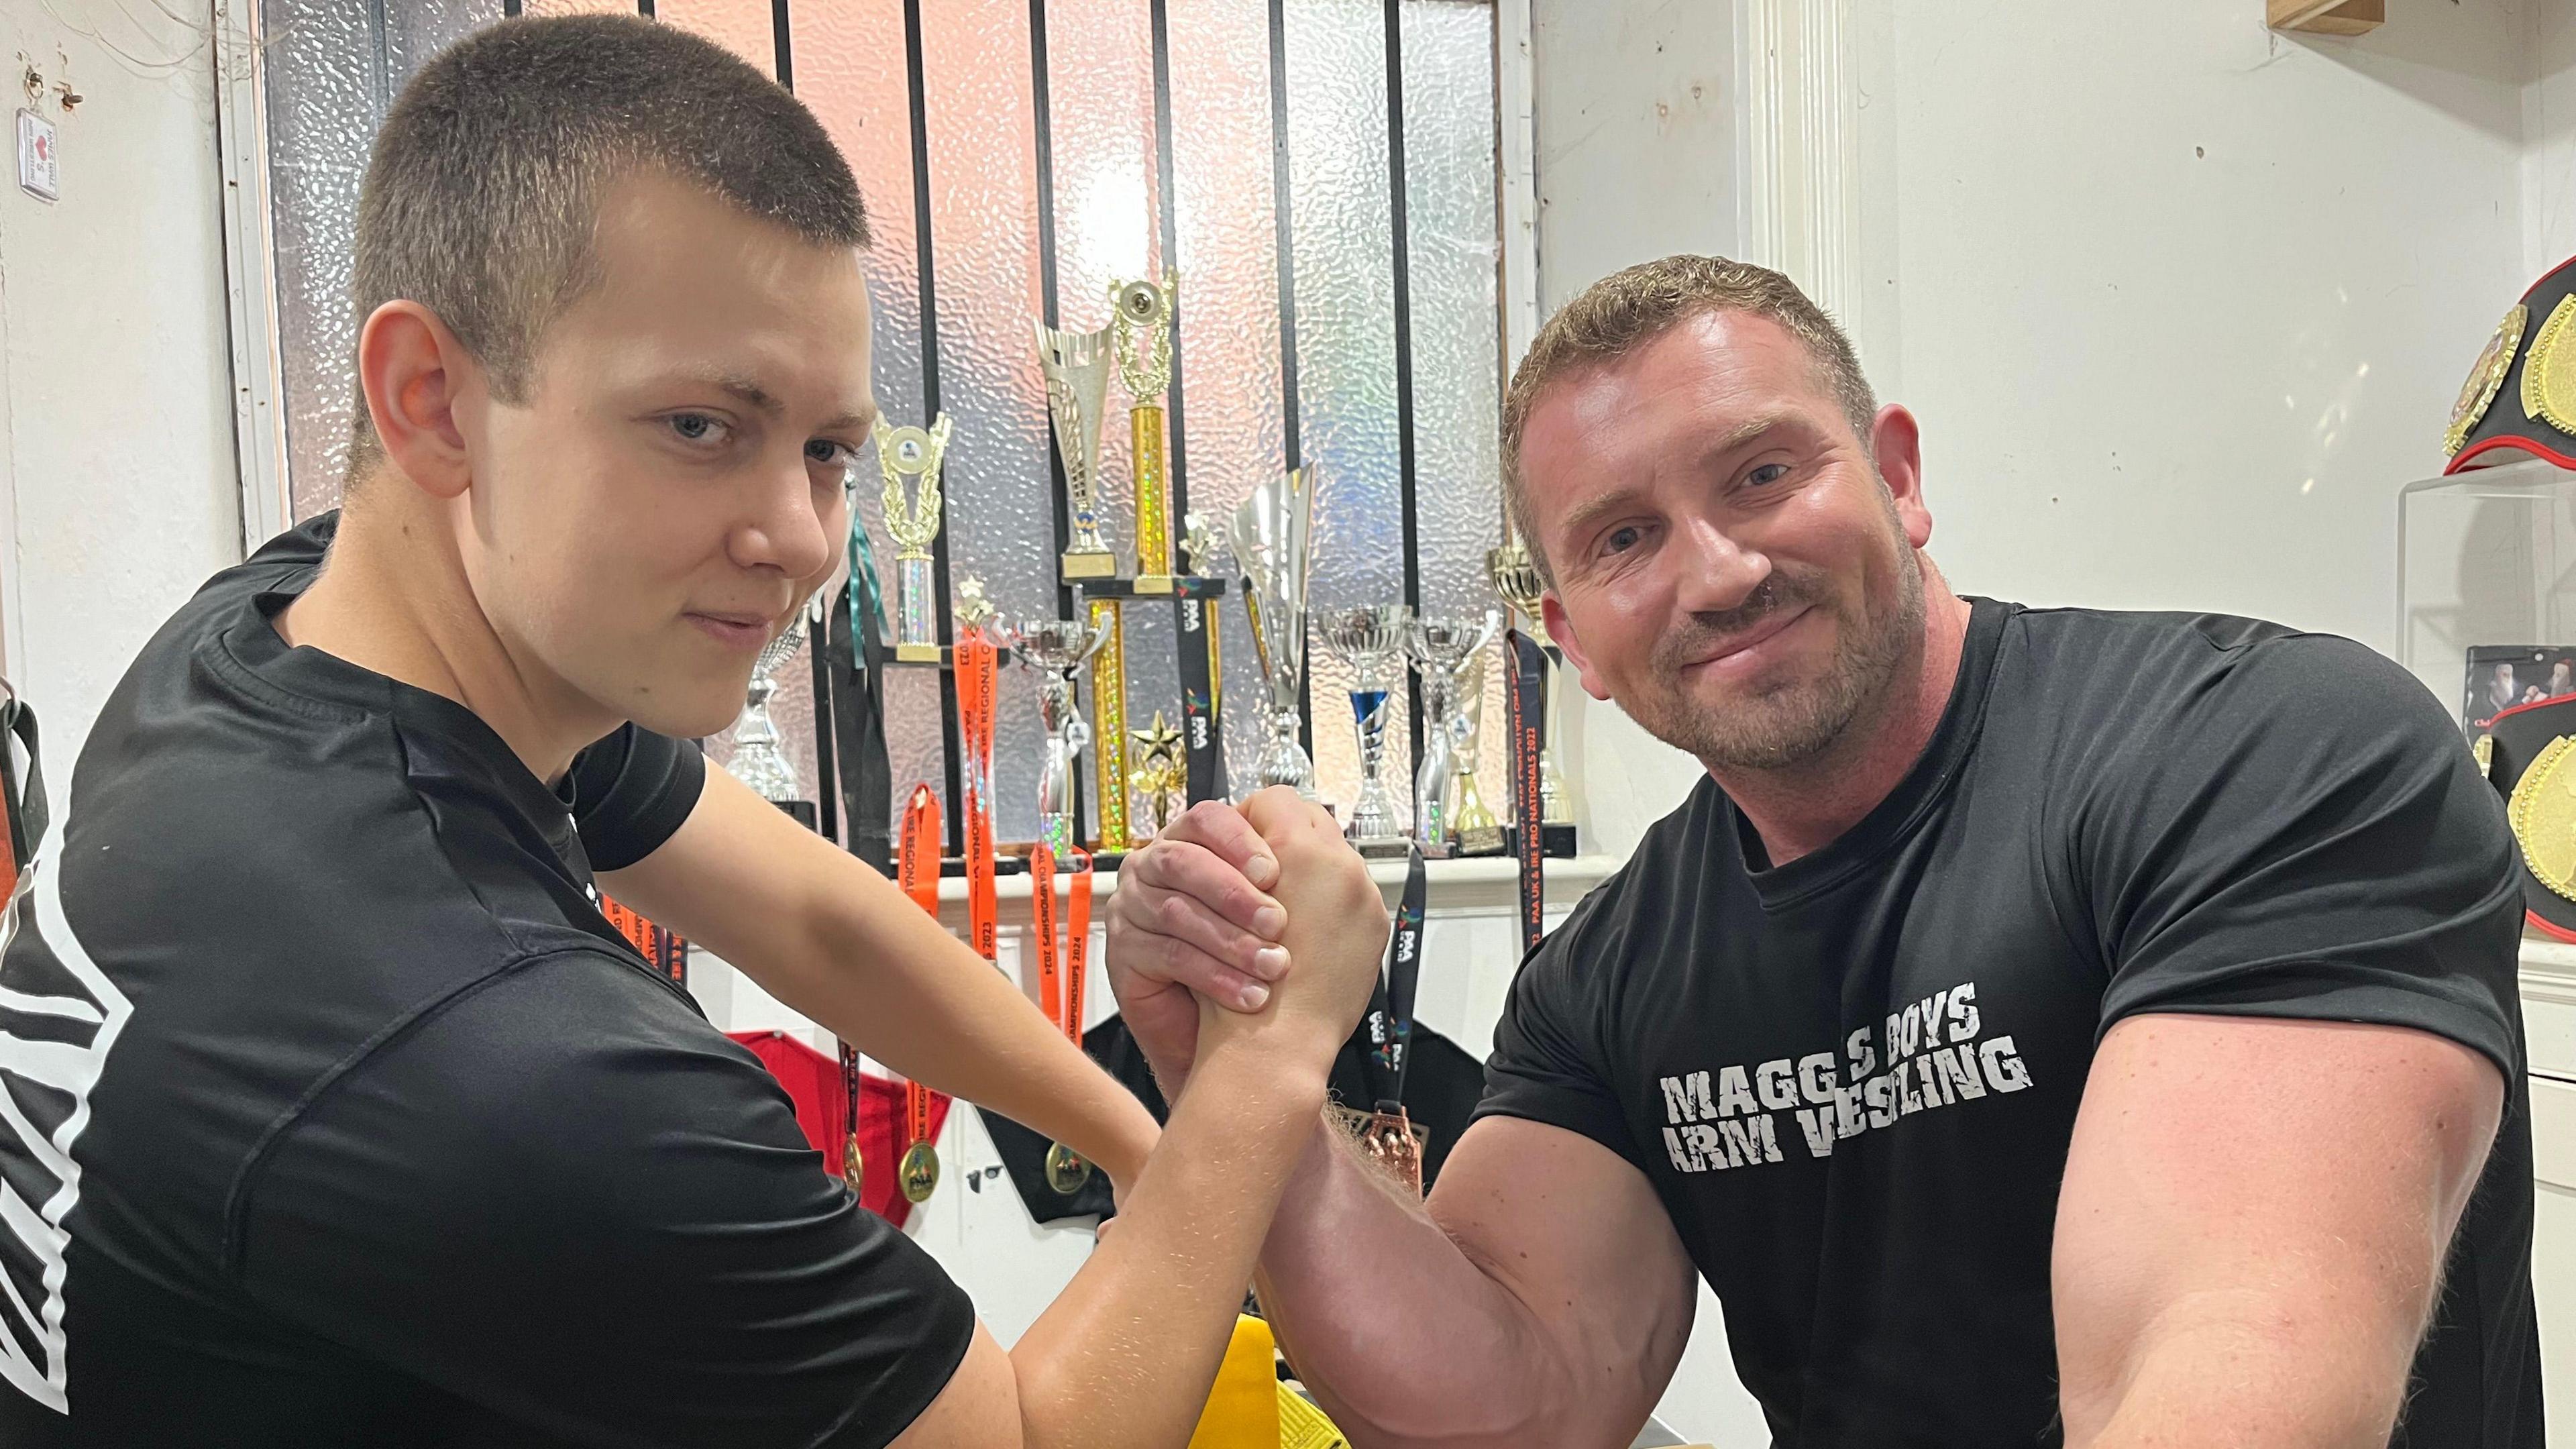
(55, 1042)
(1936, 1057)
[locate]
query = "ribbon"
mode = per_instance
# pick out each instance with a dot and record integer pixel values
(856, 642)
(1522, 706)
(977, 664)
(1202, 697)
(1403, 974)
(1061, 977)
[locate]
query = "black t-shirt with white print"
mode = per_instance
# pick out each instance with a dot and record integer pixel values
(1852, 1078)
(332, 1112)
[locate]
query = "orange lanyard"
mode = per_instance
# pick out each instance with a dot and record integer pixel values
(976, 664)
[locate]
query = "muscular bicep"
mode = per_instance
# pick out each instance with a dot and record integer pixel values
(2274, 1196)
(1576, 1233)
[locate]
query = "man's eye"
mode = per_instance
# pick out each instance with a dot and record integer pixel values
(1620, 540)
(697, 427)
(828, 453)
(1767, 474)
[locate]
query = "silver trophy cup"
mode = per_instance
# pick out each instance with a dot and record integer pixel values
(1372, 640)
(1271, 532)
(759, 758)
(1057, 649)
(1445, 651)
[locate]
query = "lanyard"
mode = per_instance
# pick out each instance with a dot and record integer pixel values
(1061, 977)
(918, 872)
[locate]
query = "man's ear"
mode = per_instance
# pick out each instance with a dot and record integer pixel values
(414, 372)
(1897, 441)
(1560, 629)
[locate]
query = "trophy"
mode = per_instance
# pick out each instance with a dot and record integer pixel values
(758, 760)
(1057, 648)
(1441, 649)
(1470, 822)
(1162, 771)
(913, 522)
(1369, 639)
(1109, 717)
(1076, 365)
(1270, 535)
(1145, 366)
(1516, 578)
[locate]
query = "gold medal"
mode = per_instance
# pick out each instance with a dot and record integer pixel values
(2484, 753)
(2543, 813)
(1065, 1170)
(920, 1172)
(2486, 377)
(854, 1169)
(2549, 372)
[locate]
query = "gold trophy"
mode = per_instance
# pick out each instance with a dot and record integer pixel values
(1479, 833)
(1109, 722)
(913, 522)
(1076, 365)
(1516, 578)
(1162, 773)
(1143, 323)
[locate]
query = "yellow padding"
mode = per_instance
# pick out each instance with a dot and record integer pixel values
(1303, 1426)
(1243, 1408)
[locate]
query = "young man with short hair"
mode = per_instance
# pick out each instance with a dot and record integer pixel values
(331, 1110)
(2041, 1026)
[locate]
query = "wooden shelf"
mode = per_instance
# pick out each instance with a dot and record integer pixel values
(2326, 17)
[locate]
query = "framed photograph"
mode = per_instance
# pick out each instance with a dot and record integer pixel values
(2501, 676)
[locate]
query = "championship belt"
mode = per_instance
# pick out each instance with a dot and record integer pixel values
(2519, 399)
(1060, 981)
(918, 872)
(2529, 755)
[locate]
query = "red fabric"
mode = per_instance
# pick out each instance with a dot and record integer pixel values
(813, 1083)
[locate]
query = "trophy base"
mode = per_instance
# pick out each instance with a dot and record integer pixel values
(917, 654)
(1152, 583)
(1089, 565)
(1480, 840)
(1395, 848)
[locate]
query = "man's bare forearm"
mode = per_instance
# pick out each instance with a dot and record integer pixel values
(1399, 1333)
(1125, 1355)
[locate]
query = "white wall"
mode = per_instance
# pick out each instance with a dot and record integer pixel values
(114, 365)
(2180, 302)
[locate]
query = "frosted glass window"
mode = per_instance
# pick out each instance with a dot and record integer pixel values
(1017, 157)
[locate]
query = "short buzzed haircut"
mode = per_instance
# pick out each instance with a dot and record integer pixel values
(1628, 309)
(482, 199)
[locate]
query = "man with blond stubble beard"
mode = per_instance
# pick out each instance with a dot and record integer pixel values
(2040, 1026)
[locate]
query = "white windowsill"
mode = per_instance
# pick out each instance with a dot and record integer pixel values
(1481, 884)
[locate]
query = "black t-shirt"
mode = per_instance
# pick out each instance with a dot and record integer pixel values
(332, 1112)
(1852, 1078)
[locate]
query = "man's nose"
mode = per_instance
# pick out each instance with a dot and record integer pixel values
(1716, 571)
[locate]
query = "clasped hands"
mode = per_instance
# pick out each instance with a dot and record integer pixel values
(1255, 926)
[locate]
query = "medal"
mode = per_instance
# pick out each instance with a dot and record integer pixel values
(1388, 1136)
(853, 1164)
(918, 870)
(1060, 981)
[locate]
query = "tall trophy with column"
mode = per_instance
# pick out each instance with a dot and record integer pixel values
(1515, 576)
(1272, 537)
(1371, 640)
(912, 456)
(1141, 318)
